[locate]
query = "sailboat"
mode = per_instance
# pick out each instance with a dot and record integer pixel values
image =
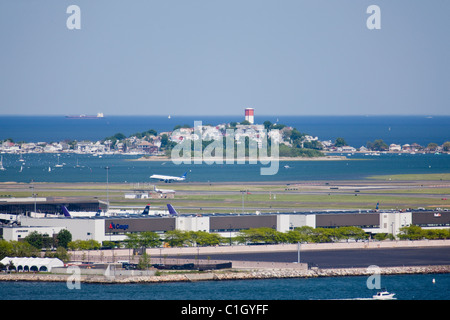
(1, 164)
(58, 165)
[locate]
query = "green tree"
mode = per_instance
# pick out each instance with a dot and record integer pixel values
(6, 248)
(340, 142)
(380, 236)
(261, 235)
(305, 233)
(60, 253)
(322, 235)
(446, 146)
(149, 239)
(144, 262)
(293, 236)
(203, 238)
(22, 249)
(432, 146)
(267, 125)
(352, 232)
(412, 232)
(176, 238)
(377, 145)
(313, 145)
(92, 244)
(39, 240)
(35, 239)
(64, 237)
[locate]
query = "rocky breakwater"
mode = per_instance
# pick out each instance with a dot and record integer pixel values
(231, 275)
(314, 273)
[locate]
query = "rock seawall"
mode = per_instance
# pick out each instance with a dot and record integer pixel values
(228, 275)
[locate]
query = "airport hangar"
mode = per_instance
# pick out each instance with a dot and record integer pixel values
(116, 228)
(18, 222)
(49, 205)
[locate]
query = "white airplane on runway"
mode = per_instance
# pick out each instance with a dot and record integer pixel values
(163, 190)
(169, 179)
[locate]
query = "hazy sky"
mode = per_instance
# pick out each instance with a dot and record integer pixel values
(207, 57)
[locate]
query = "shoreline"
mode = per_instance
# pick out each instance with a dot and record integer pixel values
(253, 274)
(324, 158)
(242, 270)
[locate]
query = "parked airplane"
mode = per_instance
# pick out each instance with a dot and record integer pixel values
(133, 211)
(146, 210)
(67, 214)
(168, 179)
(163, 190)
(172, 211)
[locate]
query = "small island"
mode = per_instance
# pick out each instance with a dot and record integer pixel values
(292, 144)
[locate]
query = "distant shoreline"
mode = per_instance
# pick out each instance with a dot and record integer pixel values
(325, 158)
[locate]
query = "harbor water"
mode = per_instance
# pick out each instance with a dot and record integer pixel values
(405, 287)
(356, 130)
(122, 168)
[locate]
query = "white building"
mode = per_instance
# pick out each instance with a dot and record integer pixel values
(33, 264)
(16, 233)
(116, 228)
(395, 148)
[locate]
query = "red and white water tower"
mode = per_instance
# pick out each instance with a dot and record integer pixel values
(249, 115)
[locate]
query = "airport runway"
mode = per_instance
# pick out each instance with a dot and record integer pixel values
(346, 258)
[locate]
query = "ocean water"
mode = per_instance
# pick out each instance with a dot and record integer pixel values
(121, 169)
(356, 130)
(406, 287)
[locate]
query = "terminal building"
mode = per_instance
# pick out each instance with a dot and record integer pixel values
(50, 205)
(116, 228)
(20, 217)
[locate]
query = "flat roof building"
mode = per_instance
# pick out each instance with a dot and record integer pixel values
(116, 228)
(51, 205)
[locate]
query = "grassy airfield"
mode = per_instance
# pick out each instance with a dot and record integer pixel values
(391, 192)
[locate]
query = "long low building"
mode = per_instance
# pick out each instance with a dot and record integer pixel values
(116, 228)
(50, 205)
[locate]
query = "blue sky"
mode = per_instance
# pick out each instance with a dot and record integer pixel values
(212, 57)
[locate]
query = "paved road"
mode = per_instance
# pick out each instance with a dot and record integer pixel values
(347, 258)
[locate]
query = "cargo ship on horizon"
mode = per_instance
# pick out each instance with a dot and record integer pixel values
(84, 116)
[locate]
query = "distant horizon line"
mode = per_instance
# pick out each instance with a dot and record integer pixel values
(229, 115)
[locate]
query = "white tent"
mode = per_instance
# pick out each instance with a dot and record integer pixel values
(33, 264)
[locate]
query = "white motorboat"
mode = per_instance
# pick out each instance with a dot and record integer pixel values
(384, 295)
(1, 164)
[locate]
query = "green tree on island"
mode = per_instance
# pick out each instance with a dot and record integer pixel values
(446, 146)
(340, 142)
(377, 145)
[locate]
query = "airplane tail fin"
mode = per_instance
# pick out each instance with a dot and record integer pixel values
(65, 212)
(98, 213)
(146, 210)
(172, 211)
(378, 203)
(184, 175)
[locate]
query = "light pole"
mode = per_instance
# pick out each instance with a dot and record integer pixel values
(107, 188)
(34, 196)
(242, 192)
